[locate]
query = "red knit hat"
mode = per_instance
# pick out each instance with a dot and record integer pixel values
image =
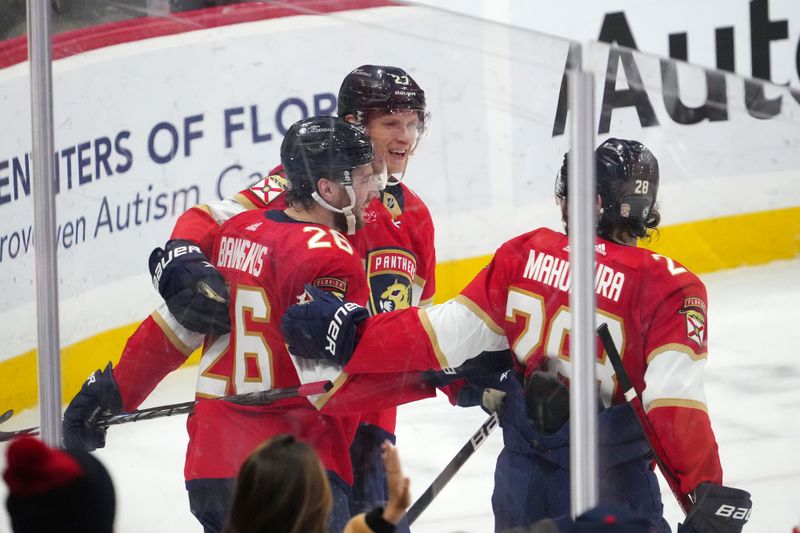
(57, 491)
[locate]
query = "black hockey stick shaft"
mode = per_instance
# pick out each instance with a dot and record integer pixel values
(452, 467)
(249, 398)
(634, 400)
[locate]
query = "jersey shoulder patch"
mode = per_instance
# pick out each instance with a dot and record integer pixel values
(267, 190)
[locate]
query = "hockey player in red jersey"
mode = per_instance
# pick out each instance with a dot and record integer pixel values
(266, 257)
(389, 104)
(656, 311)
(396, 244)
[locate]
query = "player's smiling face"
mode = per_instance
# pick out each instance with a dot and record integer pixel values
(394, 136)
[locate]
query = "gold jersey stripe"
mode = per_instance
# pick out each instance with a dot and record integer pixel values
(677, 402)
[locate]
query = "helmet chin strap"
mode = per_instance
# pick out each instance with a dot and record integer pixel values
(347, 211)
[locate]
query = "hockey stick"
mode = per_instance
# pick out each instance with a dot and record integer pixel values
(633, 399)
(452, 467)
(249, 398)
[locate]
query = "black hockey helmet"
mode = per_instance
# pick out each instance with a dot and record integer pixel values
(379, 87)
(627, 182)
(323, 147)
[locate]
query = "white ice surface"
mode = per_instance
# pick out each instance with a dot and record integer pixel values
(752, 383)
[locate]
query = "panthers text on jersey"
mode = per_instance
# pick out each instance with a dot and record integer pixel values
(655, 309)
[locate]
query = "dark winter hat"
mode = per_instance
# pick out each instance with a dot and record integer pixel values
(57, 491)
(610, 519)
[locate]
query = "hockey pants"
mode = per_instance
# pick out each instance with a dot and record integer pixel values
(369, 475)
(532, 475)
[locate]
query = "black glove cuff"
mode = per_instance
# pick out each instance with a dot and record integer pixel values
(377, 523)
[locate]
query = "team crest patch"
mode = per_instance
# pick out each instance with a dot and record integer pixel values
(270, 187)
(390, 272)
(335, 285)
(695, 310)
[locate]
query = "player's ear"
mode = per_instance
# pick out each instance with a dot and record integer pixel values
(351, 118)
(327, 189)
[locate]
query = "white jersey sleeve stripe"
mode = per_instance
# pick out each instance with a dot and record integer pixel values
(186, 341)
(675, 347)
(416, 293)
(674, 377)
(429, 329)
(225, 209)
(459, 332)
(475, 308)
(311, 370)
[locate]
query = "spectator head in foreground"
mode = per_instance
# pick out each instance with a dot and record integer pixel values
(282, 486)
(57, 491)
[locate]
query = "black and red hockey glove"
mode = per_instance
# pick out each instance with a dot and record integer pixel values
(717, 509)
(324, 328)
(99, 396)
(194, 291)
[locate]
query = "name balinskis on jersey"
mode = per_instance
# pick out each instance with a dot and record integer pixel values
(241, 254)
(544, 268)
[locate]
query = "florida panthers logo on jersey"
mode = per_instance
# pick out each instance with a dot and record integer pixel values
(269, 188)
(695, 311)
(390, 272)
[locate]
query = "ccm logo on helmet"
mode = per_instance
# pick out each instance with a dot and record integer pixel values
(333, 327)
(730, 511)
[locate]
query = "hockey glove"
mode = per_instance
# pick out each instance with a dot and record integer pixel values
(98, 396)
(324, 328)
(194, 291)
(547, 402)
(484, 370)
(508, 399)
(479, 374)
(717, 509)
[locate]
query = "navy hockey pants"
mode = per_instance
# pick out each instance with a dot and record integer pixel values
(369, 475)
(532, 475)
(210, 501)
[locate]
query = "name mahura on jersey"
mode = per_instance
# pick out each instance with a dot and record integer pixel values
(550, 270)
(241, 254)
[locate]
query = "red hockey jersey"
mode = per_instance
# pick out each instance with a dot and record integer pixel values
(398, 239)
(654, 307)
(160, 344)
(267, 257)
(200, 223)
(396, 245)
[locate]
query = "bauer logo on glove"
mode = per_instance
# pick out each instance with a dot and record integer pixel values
(323, 327)
(335, 325)
(163, 258)
(194, 291)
